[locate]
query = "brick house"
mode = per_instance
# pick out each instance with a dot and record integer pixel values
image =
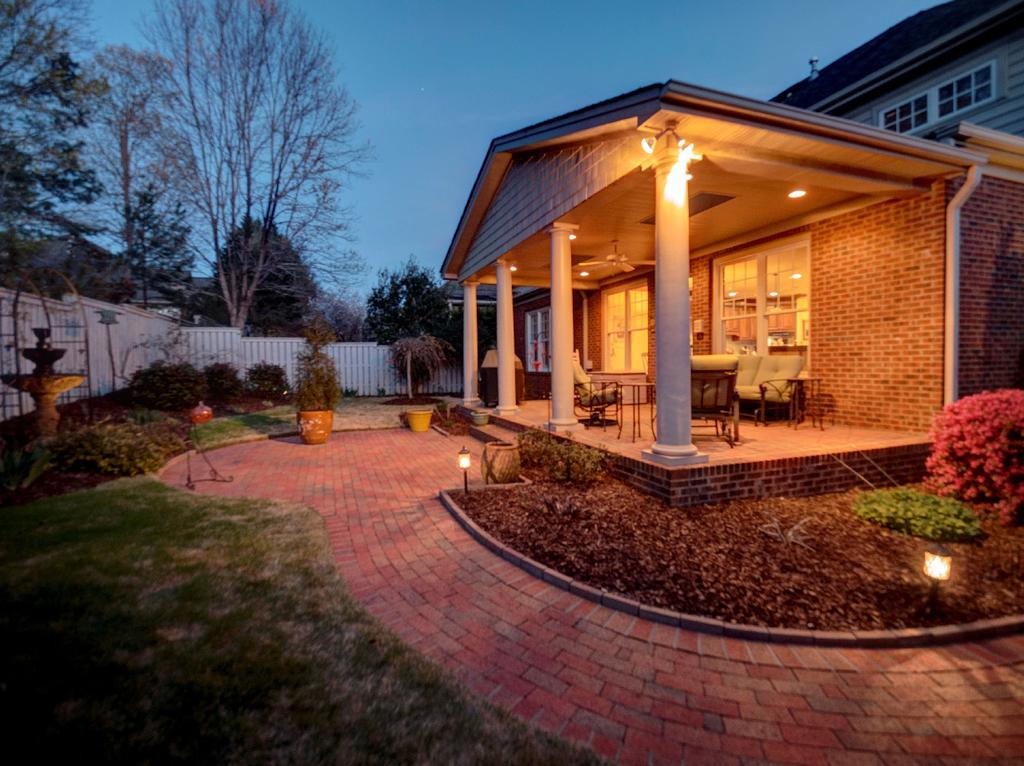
(890, 261)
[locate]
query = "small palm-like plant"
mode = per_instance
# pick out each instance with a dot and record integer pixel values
(317, 388)
(420, 358)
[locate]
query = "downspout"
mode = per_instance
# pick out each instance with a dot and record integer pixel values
(951, 347)
(585, 351)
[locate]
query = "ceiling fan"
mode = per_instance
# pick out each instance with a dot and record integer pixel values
(617, 260)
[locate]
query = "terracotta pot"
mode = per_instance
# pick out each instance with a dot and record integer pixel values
(315, 425)
(419, 420)
(500, 463)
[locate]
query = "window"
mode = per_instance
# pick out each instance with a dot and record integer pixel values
(625, 326)
(763, 304)
(962, 92)
(538, 340)
(966, 91)
(907, 116)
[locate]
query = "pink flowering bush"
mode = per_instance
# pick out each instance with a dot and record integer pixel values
(978, 452)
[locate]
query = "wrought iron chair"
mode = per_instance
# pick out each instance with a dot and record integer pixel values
(713, 397)
(595, 403)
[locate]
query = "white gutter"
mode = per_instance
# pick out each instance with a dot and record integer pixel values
(951, 347)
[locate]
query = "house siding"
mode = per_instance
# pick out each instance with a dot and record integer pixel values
(1005, 113)
(991, 286)
(540, 187)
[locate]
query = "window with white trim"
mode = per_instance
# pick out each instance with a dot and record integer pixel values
(625, 328)
(538, 340)
(763, 302)
(955, 95)
(965, 91)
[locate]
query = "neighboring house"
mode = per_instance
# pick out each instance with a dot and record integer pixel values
(961, 61)
(891, 263)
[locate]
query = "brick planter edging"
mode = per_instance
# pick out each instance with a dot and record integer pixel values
(942, 634)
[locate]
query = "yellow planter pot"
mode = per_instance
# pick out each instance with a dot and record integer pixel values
(419, 420)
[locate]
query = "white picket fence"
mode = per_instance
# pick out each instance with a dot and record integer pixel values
(108, 354)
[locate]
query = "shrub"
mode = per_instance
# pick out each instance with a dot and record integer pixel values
(978, 452)
(120, 449)
(918, 514)
(564, 461)
(20, 468)
(222, 382)
(317, 386)
(265, 379)
(165, 386)
(350, 393)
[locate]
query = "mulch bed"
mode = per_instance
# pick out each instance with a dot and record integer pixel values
(725, 561)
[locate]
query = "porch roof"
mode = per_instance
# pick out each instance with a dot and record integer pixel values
(587, 167)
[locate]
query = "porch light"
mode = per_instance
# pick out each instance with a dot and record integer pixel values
(572, 237)
(648, 144)
(937, 563)
(513, 268)
(464, 463)
(584, 273)
(797, 194)
(675, 184)
(798, 275)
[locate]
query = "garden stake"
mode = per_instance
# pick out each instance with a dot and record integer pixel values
(198, 415)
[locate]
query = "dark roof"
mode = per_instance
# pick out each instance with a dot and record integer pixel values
(898, 41)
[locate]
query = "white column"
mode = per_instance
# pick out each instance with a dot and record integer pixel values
(470, 352)
(562, 417)
(672, 320)
(506, 342)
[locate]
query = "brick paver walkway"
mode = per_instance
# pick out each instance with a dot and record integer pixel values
(632, 690)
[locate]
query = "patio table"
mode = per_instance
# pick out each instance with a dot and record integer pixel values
(640, 394)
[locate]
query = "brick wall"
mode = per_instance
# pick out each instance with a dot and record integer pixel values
(991, 286)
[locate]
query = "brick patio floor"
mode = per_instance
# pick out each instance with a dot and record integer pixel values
(632, 690)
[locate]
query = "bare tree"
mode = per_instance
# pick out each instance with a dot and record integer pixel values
(262, 131)
(126, 132)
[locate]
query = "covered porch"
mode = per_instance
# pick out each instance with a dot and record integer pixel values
(648, 196)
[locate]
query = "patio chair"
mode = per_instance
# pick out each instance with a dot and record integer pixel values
(594, 402)
(713, 394)
(767, 380)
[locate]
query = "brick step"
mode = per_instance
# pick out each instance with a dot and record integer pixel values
(493, 433)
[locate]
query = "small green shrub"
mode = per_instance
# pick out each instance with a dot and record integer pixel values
(265, 379)
(140, 416)
(918, 514)
(317, 385)
(119, 449)
(20, 468)
(222, 382)
(564, 461)
(165, 386)
(350, 393)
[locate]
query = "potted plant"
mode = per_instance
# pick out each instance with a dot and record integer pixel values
(317, 392)
(419, 358)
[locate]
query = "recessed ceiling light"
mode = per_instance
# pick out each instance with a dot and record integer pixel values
(796, 276)
(797, 194)
(584, 273)
(774, 294)
(732, 293)
(513, 268)
(572, 237)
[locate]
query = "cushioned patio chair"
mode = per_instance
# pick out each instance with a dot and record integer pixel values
(766, 380)
(713, 394)
(595, 402)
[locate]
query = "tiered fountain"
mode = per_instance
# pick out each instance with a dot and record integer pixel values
(43, 384)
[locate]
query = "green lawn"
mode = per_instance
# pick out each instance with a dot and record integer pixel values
(144, 624)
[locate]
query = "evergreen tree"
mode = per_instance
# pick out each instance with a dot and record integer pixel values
(409, 302)
(159, 257)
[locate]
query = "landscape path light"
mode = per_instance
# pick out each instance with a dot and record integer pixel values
(464, 462)
(938, 563)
